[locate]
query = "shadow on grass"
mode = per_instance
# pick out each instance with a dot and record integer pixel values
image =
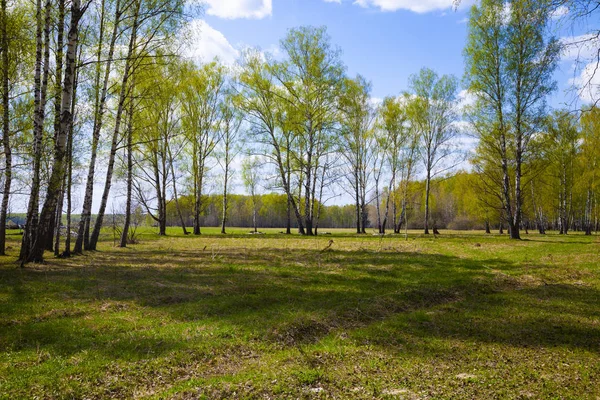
(285, 298)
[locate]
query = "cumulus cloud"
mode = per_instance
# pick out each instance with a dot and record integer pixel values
(418, 6)
(204, 43)
(232, 9)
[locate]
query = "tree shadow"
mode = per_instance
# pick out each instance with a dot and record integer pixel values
(287, 298)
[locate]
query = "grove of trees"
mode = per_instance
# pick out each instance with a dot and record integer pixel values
(96, 94)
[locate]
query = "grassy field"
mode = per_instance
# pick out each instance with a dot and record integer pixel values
(461, 316)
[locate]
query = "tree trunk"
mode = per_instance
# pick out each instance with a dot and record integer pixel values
(427, 189)
(67, 252)
(176, 198)
(288, 215)
(58, 170)
(58, 217)
(113, 151)
(57, 114)
(5, 128)
(588, 213)
(225, 178)
(50, 233)
(83, 231)
(198, 200)
(125, 232)
(38, 127)
(308, 223)
(357, 200)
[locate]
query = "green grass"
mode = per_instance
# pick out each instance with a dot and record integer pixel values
(463, 315)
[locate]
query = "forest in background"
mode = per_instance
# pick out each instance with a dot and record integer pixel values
(99, 92)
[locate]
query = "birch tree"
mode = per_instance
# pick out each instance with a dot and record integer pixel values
(231, 120)
(357, 143)
(433, 113)
(311, 79)
(510, 61)
(201, 115)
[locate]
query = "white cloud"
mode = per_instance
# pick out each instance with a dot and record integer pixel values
(560, 12)
(205, 43)
(465, 99)
(582, 47)
(375, 101)
(588, 83)
(418, 6)
(232, 9)
(582, 51)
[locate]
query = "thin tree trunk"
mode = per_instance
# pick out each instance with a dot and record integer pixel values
(122, 97)
(57, 110)
(195, 166)
(427, 191)
(38, 126)
(125, 232)
(48, 239)
(83, 231)
(185, 232)
(224, 214)
(357, 202)
(58, 217)
(198, 202)
(5, 129)
(67, 252)
(307, 186)
(288, 220)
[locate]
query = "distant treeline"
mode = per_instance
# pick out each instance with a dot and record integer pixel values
(456, 203)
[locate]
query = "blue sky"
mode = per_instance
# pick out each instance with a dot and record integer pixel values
(384, 40)
(384, 46)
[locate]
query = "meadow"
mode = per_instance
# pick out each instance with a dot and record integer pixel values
(459, 315)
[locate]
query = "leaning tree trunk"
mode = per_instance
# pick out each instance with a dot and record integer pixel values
(58, 170)
(5, 129)
(82, 241)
